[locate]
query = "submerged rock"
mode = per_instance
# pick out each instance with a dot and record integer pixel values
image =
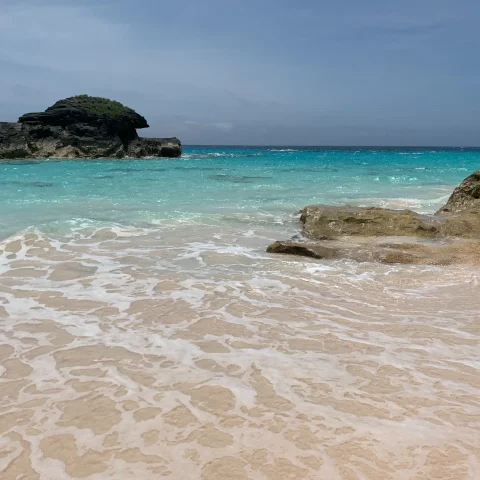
(450, 252)
(82, 127)
(359, 234)
(304, 249)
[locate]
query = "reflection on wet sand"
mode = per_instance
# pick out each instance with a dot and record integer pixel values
(129, 354)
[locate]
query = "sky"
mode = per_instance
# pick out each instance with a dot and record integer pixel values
(255, 72)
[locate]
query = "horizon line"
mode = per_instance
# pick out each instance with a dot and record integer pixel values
(231, 145)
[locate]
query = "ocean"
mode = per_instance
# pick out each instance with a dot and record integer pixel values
(146, 333)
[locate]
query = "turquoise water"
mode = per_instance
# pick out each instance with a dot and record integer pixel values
(217, 184)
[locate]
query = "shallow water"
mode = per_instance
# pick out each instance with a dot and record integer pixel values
(144, 331)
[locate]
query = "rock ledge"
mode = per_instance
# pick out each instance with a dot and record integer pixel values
(450, 236)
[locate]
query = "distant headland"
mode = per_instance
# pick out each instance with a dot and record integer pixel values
(83, 127)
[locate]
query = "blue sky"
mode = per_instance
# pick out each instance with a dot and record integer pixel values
(285, 72)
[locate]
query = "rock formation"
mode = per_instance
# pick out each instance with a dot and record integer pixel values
(452, 235)
(324, 222)
(466, 197)
(372, 249)
(82, 127)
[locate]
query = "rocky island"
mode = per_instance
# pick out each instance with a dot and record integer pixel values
(450, 236)
(82, 127)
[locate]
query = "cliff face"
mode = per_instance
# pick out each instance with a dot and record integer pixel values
(82, 127)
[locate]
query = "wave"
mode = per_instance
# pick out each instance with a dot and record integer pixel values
(421, 205)
(206, 156)
(414, 153)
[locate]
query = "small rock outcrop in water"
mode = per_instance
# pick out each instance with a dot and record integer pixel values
(324, 222)
(452, 235)
(466, 197)
(82, 127)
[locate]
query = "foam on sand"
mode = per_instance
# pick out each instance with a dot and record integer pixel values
(124, 356)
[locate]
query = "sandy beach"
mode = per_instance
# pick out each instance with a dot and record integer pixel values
(126, 354)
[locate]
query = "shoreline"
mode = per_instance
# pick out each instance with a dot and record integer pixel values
(180, 348)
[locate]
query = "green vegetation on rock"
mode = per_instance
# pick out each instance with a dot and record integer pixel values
(100, 106)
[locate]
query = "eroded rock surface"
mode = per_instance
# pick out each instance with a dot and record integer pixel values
(455, 251)
(466, 197)
(356, 233)
(325, 222)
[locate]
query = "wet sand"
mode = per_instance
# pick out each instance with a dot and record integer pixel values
(129, 353)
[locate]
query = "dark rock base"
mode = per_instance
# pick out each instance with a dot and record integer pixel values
(19, 140)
